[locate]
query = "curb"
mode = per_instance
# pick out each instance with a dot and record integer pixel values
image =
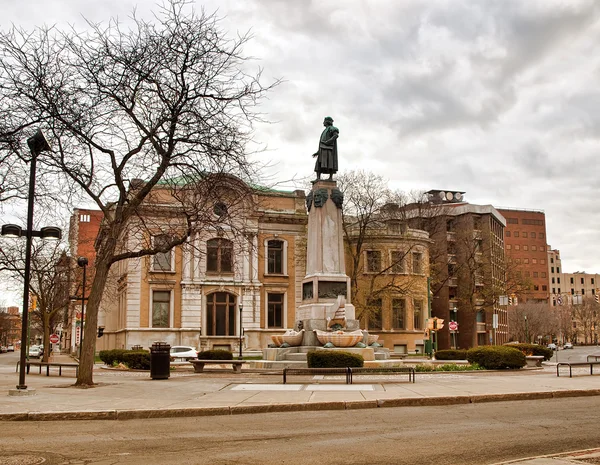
(137, 414)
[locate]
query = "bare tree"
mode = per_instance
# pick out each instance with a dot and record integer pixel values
(372, 214)
(165, 102)
(586, 316)
(49, 284)
(527, 321)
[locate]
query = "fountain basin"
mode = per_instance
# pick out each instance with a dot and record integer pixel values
(293, 338)
(340, 338)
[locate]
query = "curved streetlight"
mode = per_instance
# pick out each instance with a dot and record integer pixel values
(37, 144)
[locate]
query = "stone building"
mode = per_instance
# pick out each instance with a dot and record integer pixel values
(390, 287)
(232, 281)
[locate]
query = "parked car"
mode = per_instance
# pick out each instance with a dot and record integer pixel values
(568, 345)
(183, 353)
(34, 352)
(10, 348)
(552, 346)
(3, 349)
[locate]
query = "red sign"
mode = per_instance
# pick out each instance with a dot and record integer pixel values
(54, 339)
(453, 326)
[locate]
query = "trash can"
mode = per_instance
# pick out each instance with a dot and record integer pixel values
(160, 360)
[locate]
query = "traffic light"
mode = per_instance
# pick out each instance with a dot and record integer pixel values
(32, 303)
(438, 324)
(597, 298)
(100, 331)
(510, 301)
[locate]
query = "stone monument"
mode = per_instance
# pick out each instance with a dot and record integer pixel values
(326, 277)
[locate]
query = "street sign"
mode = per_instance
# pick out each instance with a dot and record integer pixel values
(453, 326)
(54, 339)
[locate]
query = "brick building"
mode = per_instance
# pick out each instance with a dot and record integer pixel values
(527, 253)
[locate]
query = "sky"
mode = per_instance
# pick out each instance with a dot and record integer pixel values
(500, 99)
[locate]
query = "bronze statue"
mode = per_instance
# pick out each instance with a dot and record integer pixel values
(327, 156)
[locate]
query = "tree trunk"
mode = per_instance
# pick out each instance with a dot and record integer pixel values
(86, 361)
(46, 324)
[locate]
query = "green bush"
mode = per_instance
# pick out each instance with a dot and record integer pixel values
(109, 357)
(496, 357)
(138, 360)
(333, 359)
(116, 356)
(217, 354)
(533, 349)
(451, 354)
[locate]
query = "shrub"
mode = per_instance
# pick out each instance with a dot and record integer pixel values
(533, 349)
(452, 354)
(138, 360)
(426, 368)
(496, 357)
(217, 354)
(109, 357)
(333, 359)
(116, 356)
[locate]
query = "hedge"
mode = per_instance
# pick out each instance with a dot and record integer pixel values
(333, 359)
(217, 354)
(533, 349)
(134, 359)
(451, 354)
(138, 360)
(496, 357)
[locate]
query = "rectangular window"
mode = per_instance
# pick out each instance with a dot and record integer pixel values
(512, 220)
(516, 234)
(275, 310)
(532, 235)
(582, 281)
(374, 314)
(544, 287)
(542, 248)
(533, 247)
(525, 247)
(534, 261)
(541, 235)
(84, 218)
(524, 234)
(162, 260)
(558, 280)
(557, 269)
(417, 263)
(572, 291)
(543, 261)
(536, 287)
(417, 314)
(275, 257)
(525, 260)
(398, 314)
(161, 309)
(553, 290)
(543, 274)
(592, 280)
(553, 281)
(508, 246)
(450, 225)
(373, 261)
(551, 269)
(398, 262)
(517, 247)
(507, 234)
(583, 292)
(552, 261)
(572, 280)
(527, 274)
(535, 274)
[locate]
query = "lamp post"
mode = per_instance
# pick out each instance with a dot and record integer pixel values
(82, 262)
(241, 332)
(526, 330)
(37, 144)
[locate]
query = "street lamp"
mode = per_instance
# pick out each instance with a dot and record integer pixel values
(241, 332)
(37, 144)
(526, 330)
(82, 262)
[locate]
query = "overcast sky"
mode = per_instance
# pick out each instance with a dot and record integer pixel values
(500, 99)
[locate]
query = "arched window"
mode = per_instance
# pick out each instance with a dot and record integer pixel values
(220, 314)
(219, 256)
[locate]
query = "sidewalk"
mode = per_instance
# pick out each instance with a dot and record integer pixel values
(126, 395)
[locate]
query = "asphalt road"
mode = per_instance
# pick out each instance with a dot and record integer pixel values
(455, 435)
